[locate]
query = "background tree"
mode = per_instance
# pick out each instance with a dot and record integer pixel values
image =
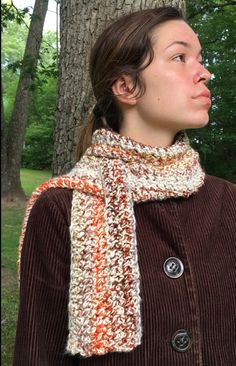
(11, 53)
(12, 189)
(81, 23)
(38, 141)
(14, 38)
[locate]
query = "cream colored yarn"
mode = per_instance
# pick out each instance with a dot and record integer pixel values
(115, 172)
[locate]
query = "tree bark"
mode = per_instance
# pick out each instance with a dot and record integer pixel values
(13, 189)
(81, 22)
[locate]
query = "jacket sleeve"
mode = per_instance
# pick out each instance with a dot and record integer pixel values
(42, 326)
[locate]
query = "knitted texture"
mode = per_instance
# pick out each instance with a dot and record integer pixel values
(115, 172)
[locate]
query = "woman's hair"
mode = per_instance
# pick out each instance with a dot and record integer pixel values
(124, 48)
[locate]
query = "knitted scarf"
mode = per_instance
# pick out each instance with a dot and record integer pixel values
(114, 172)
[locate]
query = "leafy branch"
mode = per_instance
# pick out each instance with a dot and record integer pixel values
(11, 13)
(210, 8)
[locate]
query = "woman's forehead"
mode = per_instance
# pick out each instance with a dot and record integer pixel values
(175, 32)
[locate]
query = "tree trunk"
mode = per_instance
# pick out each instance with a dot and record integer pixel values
(20, 112)
(81, 22)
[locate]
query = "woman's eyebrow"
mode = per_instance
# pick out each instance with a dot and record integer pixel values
(182, 43)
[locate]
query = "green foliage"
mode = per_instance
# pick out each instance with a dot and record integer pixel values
(38, 145)
(13, 44)
(37, 152)
(13, 40)
(11, 13)
(9, 91)
(215, 23)
(48, 58)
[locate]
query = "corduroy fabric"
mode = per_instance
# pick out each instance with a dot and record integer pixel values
(114, 173)
(199, 230)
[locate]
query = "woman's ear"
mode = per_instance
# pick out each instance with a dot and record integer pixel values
(123, 90)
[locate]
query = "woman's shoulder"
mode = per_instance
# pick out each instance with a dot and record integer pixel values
(53, 202)
(218, 188)
(219, 183)
(55, 194)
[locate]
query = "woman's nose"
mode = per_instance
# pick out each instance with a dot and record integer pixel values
(202, 75)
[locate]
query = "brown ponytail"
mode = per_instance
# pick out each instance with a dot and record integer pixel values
(85, 136)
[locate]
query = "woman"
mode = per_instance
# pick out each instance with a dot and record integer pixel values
(132, 263)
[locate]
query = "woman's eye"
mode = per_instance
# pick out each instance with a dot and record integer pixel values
(179, 58)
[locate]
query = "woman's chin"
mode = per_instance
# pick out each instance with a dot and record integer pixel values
(199, 121)
(202, 124)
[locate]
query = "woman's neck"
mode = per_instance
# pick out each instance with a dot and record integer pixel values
(148, 134)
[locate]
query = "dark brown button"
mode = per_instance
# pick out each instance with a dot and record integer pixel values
(173, 267)
(181, 340)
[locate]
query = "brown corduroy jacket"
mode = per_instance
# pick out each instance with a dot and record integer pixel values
(187, 261)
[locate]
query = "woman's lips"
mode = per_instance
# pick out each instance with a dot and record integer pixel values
(203, 99)
(204, 96)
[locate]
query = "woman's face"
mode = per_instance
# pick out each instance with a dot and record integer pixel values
(174, 80)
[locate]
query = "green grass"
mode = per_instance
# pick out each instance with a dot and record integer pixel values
(31, 179)
(8, 321)
(11, 228)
